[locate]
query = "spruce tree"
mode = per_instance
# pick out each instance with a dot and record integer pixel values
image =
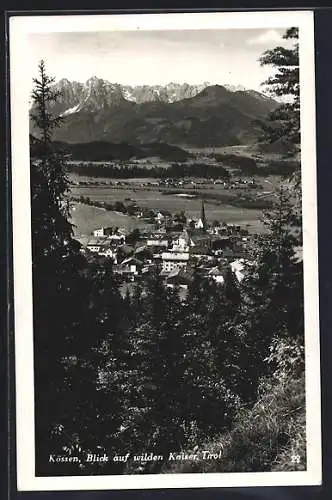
(284, 121)
(54, 254)
(210, 400)
(154, 388)
(272, 292)
(75, 308)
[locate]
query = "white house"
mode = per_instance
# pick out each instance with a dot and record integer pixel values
(216, 275)
(117, 238)
(99, 232)
(159, 217)
(182, 243)
(238, 268)
(157, 242)
(174, 260)
(94, 245)
(132, 266)
(109, 253)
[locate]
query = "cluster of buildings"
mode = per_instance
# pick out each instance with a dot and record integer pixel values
(173, 251)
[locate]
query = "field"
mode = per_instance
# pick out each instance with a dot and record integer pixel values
(86, 218)
(142, 191)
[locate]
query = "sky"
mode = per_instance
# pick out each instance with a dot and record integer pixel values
(218, 56)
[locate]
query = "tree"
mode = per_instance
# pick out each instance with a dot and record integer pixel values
(153, 383)
(75, 308)
(133, 237)
(284, 121)
(272, 292)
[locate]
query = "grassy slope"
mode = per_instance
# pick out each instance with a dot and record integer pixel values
(264, 437)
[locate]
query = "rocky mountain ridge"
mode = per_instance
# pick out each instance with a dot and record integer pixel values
(180, 114)
(96, 94)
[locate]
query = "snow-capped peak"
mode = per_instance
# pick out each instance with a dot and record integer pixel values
(70, 111)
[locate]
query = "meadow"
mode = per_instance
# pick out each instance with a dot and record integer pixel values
(87, 218)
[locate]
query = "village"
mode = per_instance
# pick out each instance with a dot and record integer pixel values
(174, 247)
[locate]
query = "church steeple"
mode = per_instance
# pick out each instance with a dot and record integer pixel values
(203, 218)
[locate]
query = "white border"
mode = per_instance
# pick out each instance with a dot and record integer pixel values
(20, 27)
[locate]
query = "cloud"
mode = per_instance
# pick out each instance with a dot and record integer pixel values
(269, 36)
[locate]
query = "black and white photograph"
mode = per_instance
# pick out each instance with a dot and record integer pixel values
(165, 250)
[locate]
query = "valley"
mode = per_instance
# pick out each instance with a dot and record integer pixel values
(166, 148)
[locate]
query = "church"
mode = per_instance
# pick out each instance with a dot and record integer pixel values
(201, 223)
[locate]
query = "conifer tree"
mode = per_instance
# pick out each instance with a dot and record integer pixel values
(284, 121)
(272, 292)
(210, 400)
(155, 375)
(71, 314)
(54, 255)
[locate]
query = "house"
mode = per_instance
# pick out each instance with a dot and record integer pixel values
(95, 244)
(220, 242)
(238, 267)
(124, 251)
(159, 218)
(199, 224)
(102, 231)
(216, 274)
(157, 241)
(147, 213)
(182, 243)
(201, 244)
(131, 266)
(118, 239)
(174, 260)
(179, 277)
(107, 251)
(143, 253)
(98, 232)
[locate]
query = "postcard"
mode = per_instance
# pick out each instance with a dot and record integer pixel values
(165, 250)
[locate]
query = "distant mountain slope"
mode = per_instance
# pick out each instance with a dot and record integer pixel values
(211, 115)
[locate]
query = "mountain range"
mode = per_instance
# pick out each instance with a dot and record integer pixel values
(181, 114)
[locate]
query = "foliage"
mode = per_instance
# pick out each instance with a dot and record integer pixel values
(272, 291)
(174, 171)
(284, 121)
(70, 319)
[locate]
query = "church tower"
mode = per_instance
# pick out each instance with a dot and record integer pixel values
(203, 218)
